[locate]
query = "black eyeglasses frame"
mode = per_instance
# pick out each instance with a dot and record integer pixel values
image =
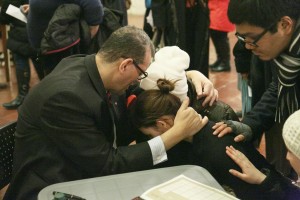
(253, 43)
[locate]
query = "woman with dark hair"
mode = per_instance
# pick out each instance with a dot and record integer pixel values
(153, 112)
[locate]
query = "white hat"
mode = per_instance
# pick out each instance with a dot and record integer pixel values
(291, 133)
(170, 63)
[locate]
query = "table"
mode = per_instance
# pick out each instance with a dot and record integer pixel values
(128, 185)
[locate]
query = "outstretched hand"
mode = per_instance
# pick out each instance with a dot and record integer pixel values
(250, 173)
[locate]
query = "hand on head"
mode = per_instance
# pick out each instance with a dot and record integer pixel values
(188, 120)
(204, 87)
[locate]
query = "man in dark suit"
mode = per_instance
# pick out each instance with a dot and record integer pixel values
(70, 124)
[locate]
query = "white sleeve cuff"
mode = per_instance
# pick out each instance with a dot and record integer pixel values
(158, 150)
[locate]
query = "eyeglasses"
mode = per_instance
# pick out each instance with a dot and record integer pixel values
(253, 43)
(144, 74)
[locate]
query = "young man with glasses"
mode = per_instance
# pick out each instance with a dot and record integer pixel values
(68, 129)
(270, 29)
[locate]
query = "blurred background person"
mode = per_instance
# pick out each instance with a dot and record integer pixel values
(219, 28)
(181, 23)
(21, 50)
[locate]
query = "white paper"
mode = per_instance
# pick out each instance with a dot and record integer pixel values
(16, 13)
(184, 188)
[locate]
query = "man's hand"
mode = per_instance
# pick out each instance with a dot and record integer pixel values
(188, 120)
(250, 173)
(204, 87)
(243, 131)
(186, 123)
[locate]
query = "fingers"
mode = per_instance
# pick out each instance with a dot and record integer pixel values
(221, 129)
(184, 104)
(199, 90)
(204, 121)
(239, 138)
(218, 124)
(211, 98)
(237, 174)
(235, 155)
(211, 95)
(215, 97)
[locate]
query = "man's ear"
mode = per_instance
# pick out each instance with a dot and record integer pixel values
(287, 24)
(123, 64)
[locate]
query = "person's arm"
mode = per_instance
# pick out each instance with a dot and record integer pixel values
(243, 131)
(186, 123)
(259, 119)
(250, 173)
(272, 183)
(82, 130)
(93, 14)
(204, 87)
(92, 11)
(262, 116)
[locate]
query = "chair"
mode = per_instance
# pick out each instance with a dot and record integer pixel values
(7, 143)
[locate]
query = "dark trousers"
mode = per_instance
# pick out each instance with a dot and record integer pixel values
(221, 43)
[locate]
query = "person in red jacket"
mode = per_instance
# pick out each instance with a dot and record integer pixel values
(219, 28)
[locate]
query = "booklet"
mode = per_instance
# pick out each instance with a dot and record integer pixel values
(16, 13)
(184, 188)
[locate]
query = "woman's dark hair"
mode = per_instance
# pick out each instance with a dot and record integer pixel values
(152, 104)
(262, 13)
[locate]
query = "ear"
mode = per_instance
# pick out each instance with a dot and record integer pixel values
(160, 123)
(164, 123)
(287, 24)
(123, 65)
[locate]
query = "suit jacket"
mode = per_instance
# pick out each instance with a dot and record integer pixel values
(65, 132)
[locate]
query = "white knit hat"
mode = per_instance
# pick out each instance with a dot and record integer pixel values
(291, 133)
(170, 63)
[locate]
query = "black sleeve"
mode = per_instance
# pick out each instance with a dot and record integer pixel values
(262, 115)
(276, 186)
(242, 57)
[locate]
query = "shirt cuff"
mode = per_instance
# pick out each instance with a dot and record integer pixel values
(158, 150)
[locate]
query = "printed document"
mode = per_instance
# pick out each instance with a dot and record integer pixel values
(184, 188)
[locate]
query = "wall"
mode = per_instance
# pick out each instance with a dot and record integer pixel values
(137, 7)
